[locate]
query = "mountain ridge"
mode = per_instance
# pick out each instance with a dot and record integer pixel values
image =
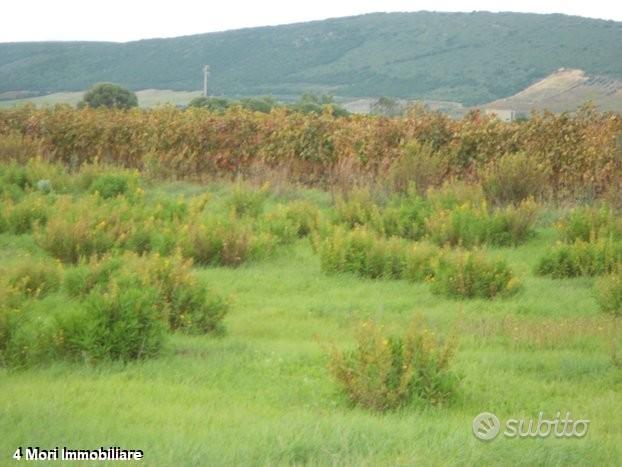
(471, 58)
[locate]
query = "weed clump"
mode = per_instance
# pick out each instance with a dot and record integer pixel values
(590, 224)
(609, 294)
(513, 178)
(468, 274)
(383, 373)
(581, 258)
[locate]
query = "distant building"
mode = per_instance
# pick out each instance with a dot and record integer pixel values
(505, 115)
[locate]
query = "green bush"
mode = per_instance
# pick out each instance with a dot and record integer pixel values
(365, 253)
(420, 259)
(34, 278)
(581, 259)
(123, 322)
(11, 301)
(304, 215)
(80, 280)
(15, 175)
(514, 177)
(357, 209)
(69, 240)
(456, 193)
(513, 225)
(216, 241)
(462, 225)
(383, 373)
(466, 225)
(590, 224)
(362, 252)
(85, 227)
(404, 216)
(21, 217)
(247, 201)
(278, 224)
(33, 337)
(111, 185)
(465, 274)
(184, 302)
(609, 294)
(418, 166)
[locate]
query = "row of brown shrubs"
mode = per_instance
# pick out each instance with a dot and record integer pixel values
(565, 156)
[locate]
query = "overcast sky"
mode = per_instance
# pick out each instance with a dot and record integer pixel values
(125, 20)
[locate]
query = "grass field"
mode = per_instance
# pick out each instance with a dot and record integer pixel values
(146, 98)
(261, 393)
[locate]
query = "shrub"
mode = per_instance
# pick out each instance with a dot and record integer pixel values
(123, 322)
(183, 302)
(362, 252)
(467, 274)
(357, 209)
(10, 313)
(581, 259)
(278, 224)
(513, 178)
(386, 259)
(15, 175)
(247, 201)
(462, 225)
(383, 373)
(512, 225)
(456, 193)
(216, 241)
(33, 338)
(420, 262)
(21, 217)
(590, 224)
(111, 185)
(467, 225)
(83, 228)
(304, 215)
(80, 280)
(609, 294)
(405, 216)
(420, 166)
(17, 147)
(69, 240)
(34, 278)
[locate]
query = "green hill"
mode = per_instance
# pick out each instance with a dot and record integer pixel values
(466, 57)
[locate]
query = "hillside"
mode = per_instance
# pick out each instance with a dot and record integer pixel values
(465, 57)
(565, 90)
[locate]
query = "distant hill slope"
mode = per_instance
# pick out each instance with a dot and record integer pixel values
(565, 90)
(466, 57)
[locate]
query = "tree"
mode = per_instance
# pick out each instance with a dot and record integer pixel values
(260, 104)
(313, 103)
(215, 104)
(387, 107)
(109, 95)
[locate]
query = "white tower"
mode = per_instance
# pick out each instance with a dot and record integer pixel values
(205, 75)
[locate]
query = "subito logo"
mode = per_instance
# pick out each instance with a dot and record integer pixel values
(486, 426)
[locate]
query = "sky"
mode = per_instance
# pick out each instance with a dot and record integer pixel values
(126, 20)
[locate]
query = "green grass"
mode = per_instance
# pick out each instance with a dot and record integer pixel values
(262, 395)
